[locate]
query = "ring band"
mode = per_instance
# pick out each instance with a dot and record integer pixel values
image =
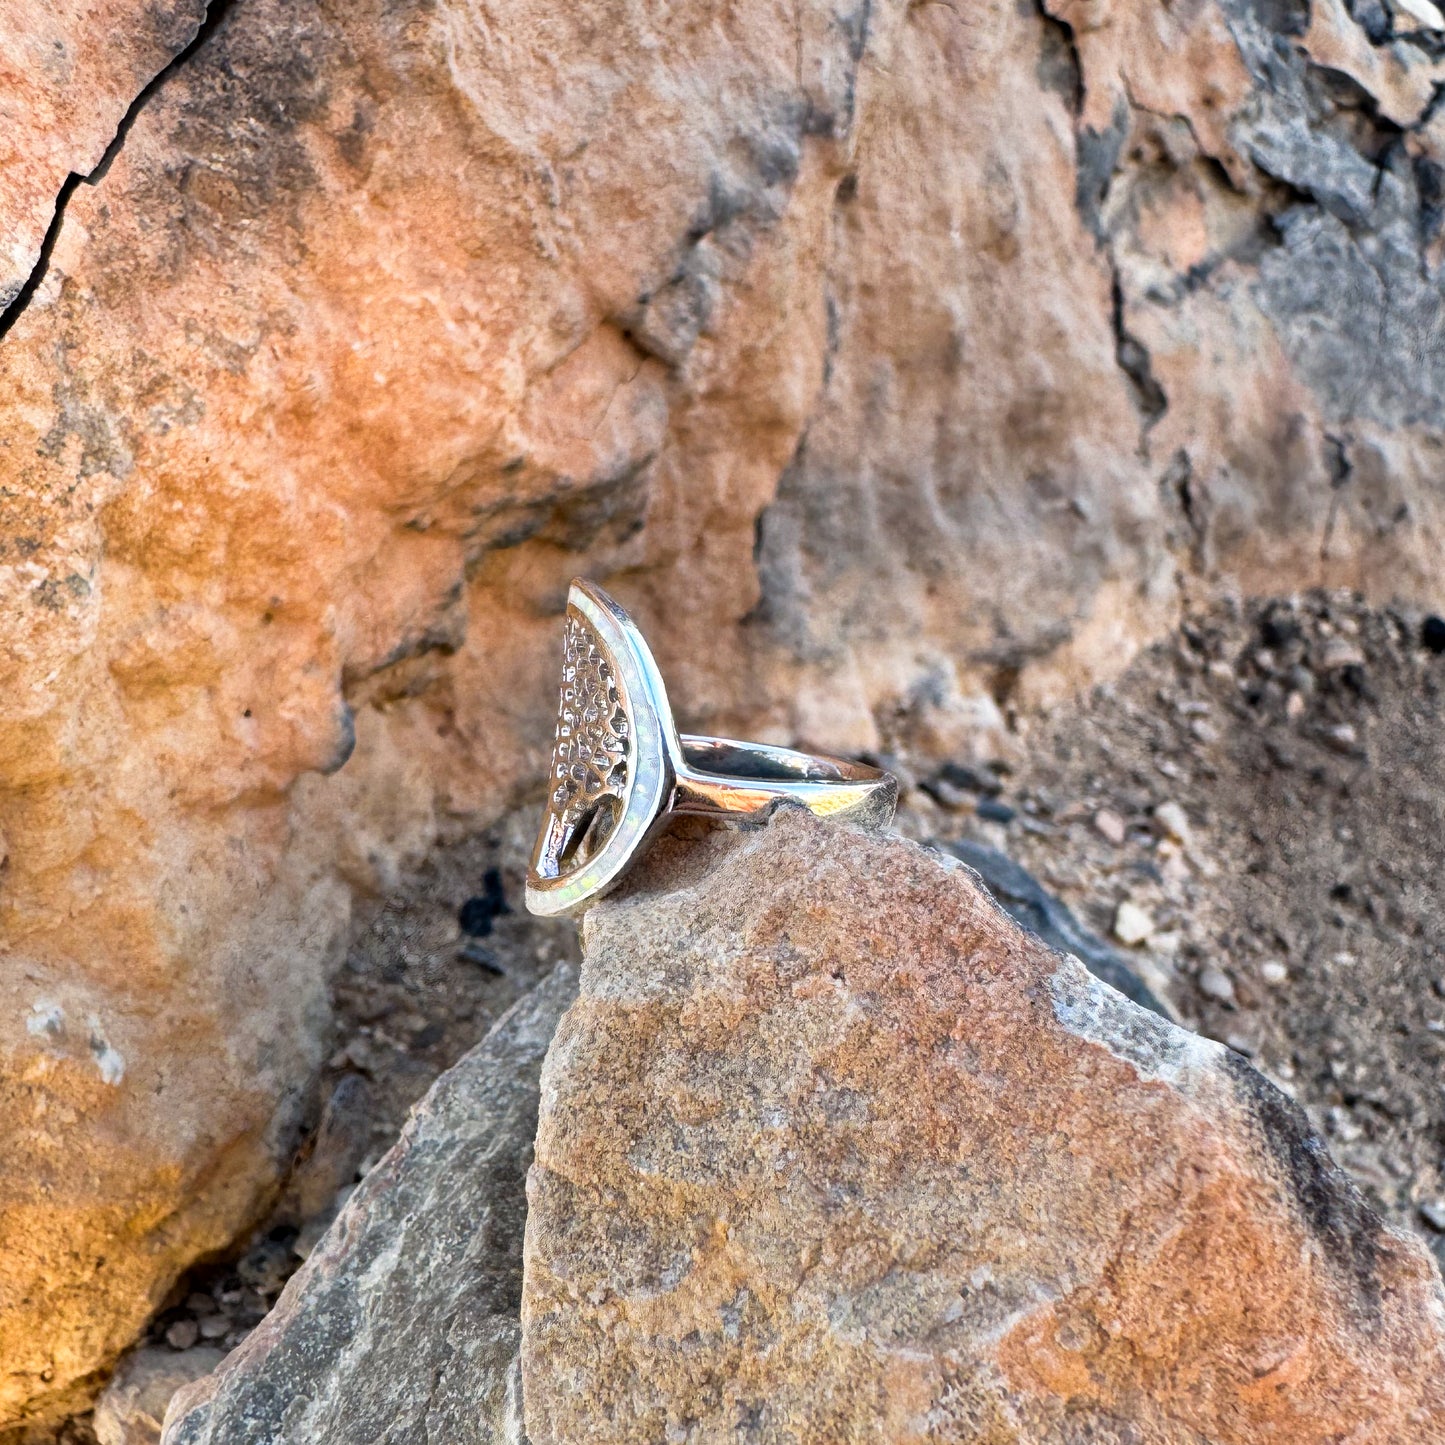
(620, 769)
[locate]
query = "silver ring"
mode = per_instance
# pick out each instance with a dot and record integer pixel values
(620, 769)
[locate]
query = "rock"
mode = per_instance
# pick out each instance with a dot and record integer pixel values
(1024, 899)
(1341, 737)
(1109, 826)
(402, 1324)
(894, 360)
(991, 810)
(183, 1334)
(1172, 819)
(68, 75)
(1133, 925)
(132, 1407)
(1215, 984)
(1338, 652)
(830, 1150)
(333, 1152)
(972, 777)
(1273, 972)
(369, 336)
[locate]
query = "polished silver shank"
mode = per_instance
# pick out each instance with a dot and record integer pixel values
(744, 782)
(620, 769)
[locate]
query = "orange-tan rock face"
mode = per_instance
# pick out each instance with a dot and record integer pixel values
(69, 72)
(357, 305)
(831, 1151)
(887, 361)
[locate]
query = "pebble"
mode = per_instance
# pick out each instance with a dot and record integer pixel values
(183, 1334)
(1204, 732)
(975, 777)
(946, 793)
(1109, 826)
(1338, 653)
(1433, 1213)
(473, 952)
(1172, 818)
(1342, 737)
(1216, 984)
(1273, 972)
(1132, 925)
(1173, 866)
(1294, 706)
(994, 811)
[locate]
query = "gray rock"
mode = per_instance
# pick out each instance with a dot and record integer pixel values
(1024, 899)
(133, 1406)
(402, 1326)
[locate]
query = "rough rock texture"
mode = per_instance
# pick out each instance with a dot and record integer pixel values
(1276, 769)
(133, 1407)
(1021, 896)
(402, 1325)
(830, 1150)
(906, 362)
(69, 74)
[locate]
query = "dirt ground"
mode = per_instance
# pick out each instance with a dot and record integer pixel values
(1253, 815)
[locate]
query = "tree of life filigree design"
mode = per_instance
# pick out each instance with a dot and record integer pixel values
(589, 759)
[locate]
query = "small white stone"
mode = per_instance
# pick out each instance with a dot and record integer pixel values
(1216, 984)
(1109, 826)
(1423, 11)
(1171, 817)
(1132, 924)
(1273, 972)
(1339, 653)
(1342, 737)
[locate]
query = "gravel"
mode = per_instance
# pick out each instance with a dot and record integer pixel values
(1297, 914)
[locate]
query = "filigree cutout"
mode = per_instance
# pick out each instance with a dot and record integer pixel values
(589, 758)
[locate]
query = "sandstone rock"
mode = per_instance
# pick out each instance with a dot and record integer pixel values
(374, 330)
(69, 72)
(830, 1150)
(402, 1325)
(898, 361)
(133, 1406)
(1024, 899)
